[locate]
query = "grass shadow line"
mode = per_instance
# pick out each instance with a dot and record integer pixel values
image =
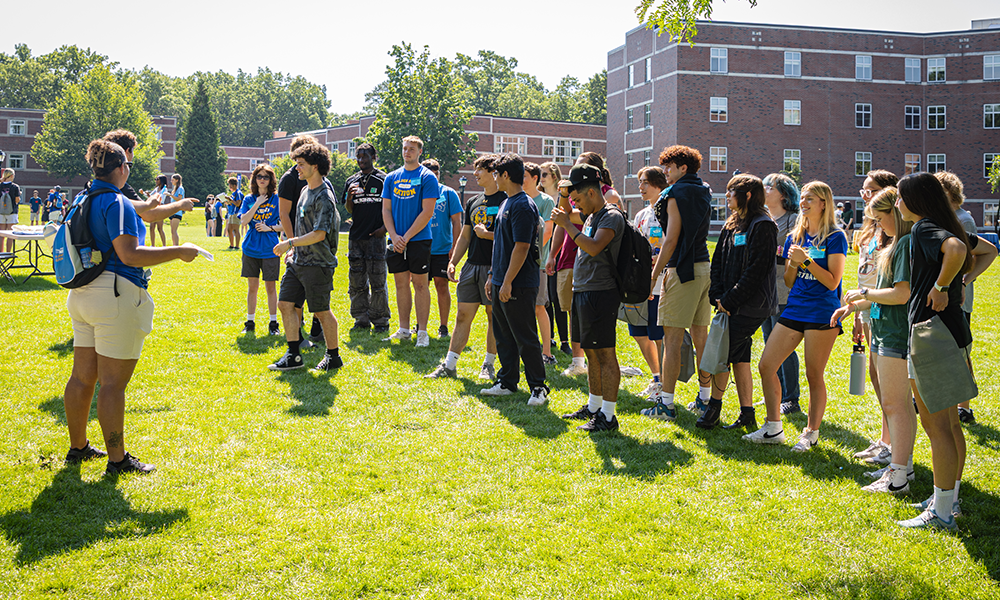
(626, 456)
(35, 284)
(252, 345)
(535, 421)
(62, 349)
(313, 393)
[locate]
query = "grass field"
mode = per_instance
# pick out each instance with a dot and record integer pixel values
(375, 483)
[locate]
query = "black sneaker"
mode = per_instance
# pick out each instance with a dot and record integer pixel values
(129, 464)
(600, 423)
(78, 455)
(443, 331)
(380, 329)
(288, 362)
(361, 327)
(273, 329)
(328, 363)
(548, 359)
(965, 415)
(249, 327)
(790, 407)
(566, 349)
(583, 414)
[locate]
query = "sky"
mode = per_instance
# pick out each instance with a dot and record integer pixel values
(345, 45)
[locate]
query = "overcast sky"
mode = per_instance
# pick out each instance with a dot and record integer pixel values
(344, 45)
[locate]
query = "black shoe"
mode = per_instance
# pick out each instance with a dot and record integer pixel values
(549, 359)
(790, 407)
(965, 415)
(328, 363)
(78, 455)
(566, 349)
(712, 416)
(600, 423)
(443, 331)
(249, 327)
(273, 329)
(361, 327)
(288, 362)
(747, 420)
(553, 344)
(583, 414)
(380, 329)
(129, 464)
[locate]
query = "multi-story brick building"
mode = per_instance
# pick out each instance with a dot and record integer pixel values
(832, 102)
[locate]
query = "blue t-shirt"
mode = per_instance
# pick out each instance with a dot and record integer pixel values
(34, 203)
(517, 221)
(446, 206)
(407, 190)
(179, 193)
(810, 301)
(112, 215)
(237, 208)
(260, 244)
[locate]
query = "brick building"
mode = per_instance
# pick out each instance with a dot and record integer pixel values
(243, 159)
(833, 102)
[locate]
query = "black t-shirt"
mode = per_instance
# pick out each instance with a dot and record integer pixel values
(367, 215)
(14, 191)
(925, 266)
(482, 209)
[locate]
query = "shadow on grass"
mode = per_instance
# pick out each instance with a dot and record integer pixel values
(980, 527)
(535, 421)
(62, 349)
(983, 435)
(249, 344)
(625, 455)
(314, 392)
(35, 284)
(71, 514)
(55, 407)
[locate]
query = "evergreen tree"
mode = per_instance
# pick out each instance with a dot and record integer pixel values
(200, 159)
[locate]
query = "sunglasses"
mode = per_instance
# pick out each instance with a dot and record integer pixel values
(263, 177)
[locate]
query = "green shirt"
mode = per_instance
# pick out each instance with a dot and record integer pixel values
(890, 328)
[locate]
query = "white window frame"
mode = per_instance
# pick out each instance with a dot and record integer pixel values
(911, 163)
(938, 159)
(628, 121)
(936, 70)
(561, 151)
(157, 132)
(649, 68)
(515, 144)
(631, 75)
(254, 162)
(718, 159)
(991, 67)
(863, 67)
(793, 112)
(989, 215)
(719, 208)
(719, 60)
(933, 114)
(17, 127)
(645, 158)
(647, 116)
(862, 110)
(862, 163)
(911, 71)
(335, 147)
(792, 156)
(628, 166)
(991, 116)
(718, 110)
(988, 162)
(793, 64)
(911, 118)
(17, 161)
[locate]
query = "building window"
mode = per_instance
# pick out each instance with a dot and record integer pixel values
(719, 111)
(720, 60)
(991, 66)
(717, 159)
(335, 147)
(629, 120)
(649, 68)
(793, 112)
(793, 64)
(352, 147)
(911, 163)
(935, 70)
(17, 161)
(936, 117)
(515, 144)
(863, 116)
(863, 67)
(913, 70)
(647, 118)
(631, 75)
(936, 162)
(793, 161)
(645, 158)
(911, 119)
(987, 163)
(157, 132)
(563, 152)
(862, 163)
(991, 116)
(17, 127)
(718, 209)
(628, 168)
(990, 215)
(253, 163)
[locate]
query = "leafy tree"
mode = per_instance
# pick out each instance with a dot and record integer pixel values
(522, 100)
(486, 77)
(200, 159)
(594, 99)
(423, 98)
(336, 119)
(86, 111)
(794, 171)
(676, 18)
(564, 103)
(995, 173)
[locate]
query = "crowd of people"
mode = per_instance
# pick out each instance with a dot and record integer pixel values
(540, 255)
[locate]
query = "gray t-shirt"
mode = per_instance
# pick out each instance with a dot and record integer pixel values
(969, 225)
(597, 273)
(785, 225)
(315, 211)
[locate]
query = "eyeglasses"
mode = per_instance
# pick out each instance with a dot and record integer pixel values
(128, 164)
(866, 194)
(545, 174)
(263, 177)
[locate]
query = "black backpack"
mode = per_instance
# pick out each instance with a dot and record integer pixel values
(635, 261)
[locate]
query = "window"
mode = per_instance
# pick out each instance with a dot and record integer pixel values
(335, 147)
(717, 159)
(17, 127)
(17, 161)
(515, 144)
(645, 158)
(990, 215)
(718, 209)
(991, 116)
(911, 163)
(157, 132)
(913, 70)
(863, 116)
(631, 75)
(719, 110)
(988, 162)
(911, 120)
(720, 60)
(628, 168)
(352, 147)
(863, 67)
(936, 162)
(793, 64)
(647, 117)
(935, 69)
(793, 161)
(628, 120)
(991, 66)
(936, 117)
(862, 163)
(793, 112)
(649, 68)
(253, 163)
(563, 152)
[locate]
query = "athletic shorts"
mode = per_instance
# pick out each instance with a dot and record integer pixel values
(741, 330)
(802, 326)
(543, 289)
(889, 352)
(233, 220)
(416, 258)
(10, 219)
(564, 289)
(176, 216)
(263, 268)
(594, 318)
(472, 284)
(652, 330)
(439, 265)
(685, 305)
(114, 327)
(307, 284)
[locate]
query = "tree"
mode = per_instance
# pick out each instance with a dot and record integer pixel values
(341, 167)
(995, 173)
(86, 111)
(564, 102)
(486, 77)
(200, 159)
(522, 100)
(423, 98)
(594, 99)
(676, 18)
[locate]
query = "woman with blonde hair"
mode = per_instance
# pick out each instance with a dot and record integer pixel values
(10, 193)
(815, 253)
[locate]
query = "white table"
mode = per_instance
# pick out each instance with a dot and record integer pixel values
(32, 253)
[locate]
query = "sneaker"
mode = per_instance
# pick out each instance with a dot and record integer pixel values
(487, 373)
(423, 340)
(600, 423)
(790, 407)
(361, 327)
(956, 508)
(660, 412)
(565, 348)
(78, 455)
(653, 389)
(248, 327)
(328, 364)
(807, 441)
(380, 329)
(129, 464)
(929, 519)
(761, 436)
(288, 362)
(441, 372)
(539, 396)
(965, 415)
(443, 331)
(575, 369)
(401, 334)
(581, 414)
(884, 485)
(910, 475)
(883, 457)
(698, 407)
(548, 359)
(872, 450)
(272, 328)
(498, 389)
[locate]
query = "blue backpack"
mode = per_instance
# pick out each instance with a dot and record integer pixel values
(73, 250)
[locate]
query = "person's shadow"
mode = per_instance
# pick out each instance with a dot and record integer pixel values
(642, 459)
(71, 514)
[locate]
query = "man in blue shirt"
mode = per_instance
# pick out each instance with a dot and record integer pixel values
(446, 227)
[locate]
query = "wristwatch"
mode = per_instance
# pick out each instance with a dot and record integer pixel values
(941, 288)
(806, 262)
(864, 293)
(290, 244)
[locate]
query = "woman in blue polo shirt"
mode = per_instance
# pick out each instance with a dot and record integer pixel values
(259, 212)
(176, 195)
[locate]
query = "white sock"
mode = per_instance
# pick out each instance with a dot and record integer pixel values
(608, 408)
(489, 359)
(704, 393)
(943, 498)
(594, 403)
(405, 330)
(579, 361)
(909, 464)
(898, 474)
(451, 361)
(250, 317)
(419, 331)
(773, 427)
(667, 398)
(274, 318)
(957, 485)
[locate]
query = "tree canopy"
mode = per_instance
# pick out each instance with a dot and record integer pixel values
(675, 18)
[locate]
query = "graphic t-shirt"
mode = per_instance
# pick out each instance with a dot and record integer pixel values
(260, 244)
(545, 204)
(234, 206)
(516, 222)
(889, 326)
(482, 209)
(809, 300)
(446, 206)
(596, 273)
(112, 215)
(926, 239)
(367, 215)
(317, 210)
(407, 190)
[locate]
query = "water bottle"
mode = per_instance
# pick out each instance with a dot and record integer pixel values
(85, 258)
(858, 360)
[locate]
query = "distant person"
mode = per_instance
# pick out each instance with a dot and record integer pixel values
(157, 226)
(260, 212)
(10, 198)
(236, 199)
(52, 209)
(549, 180)
(367, 284)
(649, 337)
(176, 195)
(35, 207)
(446, 226)
(209, 215)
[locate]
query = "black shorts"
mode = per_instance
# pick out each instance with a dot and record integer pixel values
(307, 284)
(263, 268)
(594, 317)
(172, 217)
(439, 265)
(416, 258)
(802, 326)
(741, 330)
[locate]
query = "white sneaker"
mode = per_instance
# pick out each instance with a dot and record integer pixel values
(652, 390)
(929, 518)
(807, 440)
(872, 450)
(401, 334)
(423, 340)
(884, 484)
(538, 397)
(910, 475)
(761, 436)
(497, 390)
(882, 457)
(630, 371)
(487, 373)
(575, 369)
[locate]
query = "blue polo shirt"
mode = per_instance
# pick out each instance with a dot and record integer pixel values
(407, 190)
(112, 215)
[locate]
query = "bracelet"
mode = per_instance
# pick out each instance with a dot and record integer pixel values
(576, 236)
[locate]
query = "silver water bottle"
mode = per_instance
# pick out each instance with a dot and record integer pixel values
(858, 360)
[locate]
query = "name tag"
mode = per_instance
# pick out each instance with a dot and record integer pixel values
(816, 253)
(586, 231)
(876, 310)
(740, 239)
(655, 232)
(492, 210)
(871, 246)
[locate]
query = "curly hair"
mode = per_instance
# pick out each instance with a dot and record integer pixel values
(122, 137)
(315, 155)
(680, 156)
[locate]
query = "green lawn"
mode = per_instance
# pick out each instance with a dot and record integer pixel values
(373, 482)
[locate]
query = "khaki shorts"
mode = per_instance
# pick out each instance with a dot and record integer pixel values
(113, 327)
(543, 289)
(564, 289)
(684, 305)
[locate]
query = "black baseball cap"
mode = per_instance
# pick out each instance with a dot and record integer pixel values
(581, 174)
